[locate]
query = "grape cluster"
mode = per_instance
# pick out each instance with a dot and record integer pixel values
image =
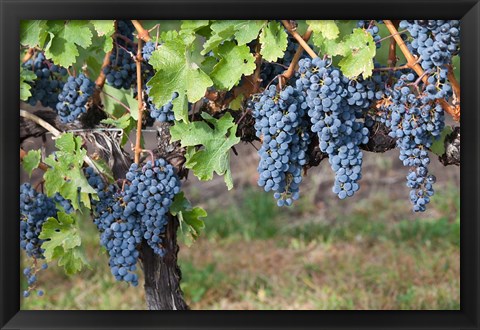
(415, 121)
(48, 83)
(119, 234)
(150, 194)
(126, 216)
(434, 41)
(280, 122)
(30, 274)
(121, 72)
(333, 109)
(35, 209)
(73, 98)
(164, 113)
(126, 29)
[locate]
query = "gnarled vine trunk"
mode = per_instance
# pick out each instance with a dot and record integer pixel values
(162, 274)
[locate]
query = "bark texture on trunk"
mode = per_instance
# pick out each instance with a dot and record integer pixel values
(162, 274)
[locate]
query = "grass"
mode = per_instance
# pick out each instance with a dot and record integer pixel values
(254, 255)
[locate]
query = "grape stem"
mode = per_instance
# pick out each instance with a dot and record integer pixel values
(138, 138)
(453, 80)
(294, 64)
(414, 65)
(392, 50)
(150, 152)
(127, 40)
(299, 38)
(100, 81)
(142, 33)
(28, 54)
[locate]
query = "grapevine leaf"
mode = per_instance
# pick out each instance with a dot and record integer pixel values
(189, 218)
(176, 72)
(122, 122)
(78, 32)
(216, 140)
(274, 41)
(103, 27)
(246, 31)
(327, 28)
(358, 53)
(33, 33)
(111, 99)
(26, 76)
(61, 51)
(63, 242)
(221, 31)
(90, 59)
(65, 36)
(194, 25)
(235, 61)
(243, 31)
(31, 161)
(236, 104)
(208, 64)
(73, 261)
(438, 146)
(65, 175)
(61, 232)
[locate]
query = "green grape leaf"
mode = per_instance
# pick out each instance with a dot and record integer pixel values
(65, 36)
(61, 51)
(62, 241)
(33, 33)
(328, 29)
(65, 174)
(358, 53)
(243, 31)
(122, 122)
(77, 32)
(189, 218)
(235, 61)
(208, 64)
(215, 140)
(26, 76)
(438, 146)
(116, 101)
(176, 72)
(194, 25)
(248, 30)
(274, 41)
(31, 161)
(237, 103)
(221, 31)
(104, 27)
(61, 232)
(73, 261)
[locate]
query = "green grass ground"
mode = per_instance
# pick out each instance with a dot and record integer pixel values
(254, 255)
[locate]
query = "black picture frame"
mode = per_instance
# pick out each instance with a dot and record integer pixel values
(12, 11)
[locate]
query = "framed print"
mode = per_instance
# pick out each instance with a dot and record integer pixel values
(199, 164)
